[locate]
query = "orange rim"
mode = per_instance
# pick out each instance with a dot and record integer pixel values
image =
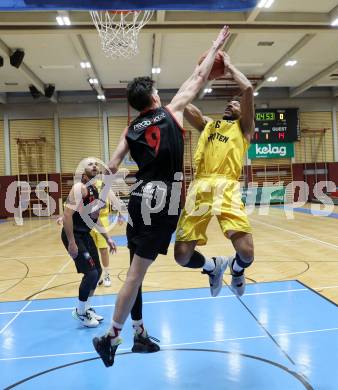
(117, 11)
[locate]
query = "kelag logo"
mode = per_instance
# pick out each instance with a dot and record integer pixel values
(269, 149)
(280, 150)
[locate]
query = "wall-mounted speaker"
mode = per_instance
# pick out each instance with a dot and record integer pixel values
(34, 92)
(49, 90)
(16, 58)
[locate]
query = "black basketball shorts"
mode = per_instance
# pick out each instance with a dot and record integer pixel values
(88, 257)
(149, 240)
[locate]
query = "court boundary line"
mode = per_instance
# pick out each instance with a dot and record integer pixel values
(152, 291)
(318, 293)
(125, 248)
(2, 330)
(298, 375)
(309, 211)
(314, 239)
(306, 289)
(197, 342)
(264, 328)
(24, 234)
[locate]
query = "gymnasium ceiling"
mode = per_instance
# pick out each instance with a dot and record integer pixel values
(294, 29)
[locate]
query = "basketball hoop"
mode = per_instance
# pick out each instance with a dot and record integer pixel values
(119, 30)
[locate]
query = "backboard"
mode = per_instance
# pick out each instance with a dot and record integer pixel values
(211, 5)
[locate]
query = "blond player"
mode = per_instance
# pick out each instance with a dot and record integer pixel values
(100, 242)
(81, 211)
(215, 191)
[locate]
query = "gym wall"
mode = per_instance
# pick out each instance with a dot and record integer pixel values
(315, 120)
(2, 149)
(32, 128)
(82, 136)
(79, 138)
(81, 132)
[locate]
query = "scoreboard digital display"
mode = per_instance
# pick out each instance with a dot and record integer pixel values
(276, 125)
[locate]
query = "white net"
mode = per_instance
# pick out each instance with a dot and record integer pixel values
(119, 30)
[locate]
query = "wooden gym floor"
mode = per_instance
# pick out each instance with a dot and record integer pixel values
(35, 265)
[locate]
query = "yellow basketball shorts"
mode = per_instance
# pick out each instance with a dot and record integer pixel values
(99, 240)
(208, 197)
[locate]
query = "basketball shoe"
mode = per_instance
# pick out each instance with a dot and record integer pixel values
(86, 319)
(216, 276)
(106, 280)
(93, 313)
(238, 282)
(105, 349)
(143, 343)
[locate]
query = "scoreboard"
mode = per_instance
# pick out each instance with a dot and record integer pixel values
(276, 125)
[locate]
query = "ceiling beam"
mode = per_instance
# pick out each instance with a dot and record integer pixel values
(156, 54)
(26, 71)
(181, 27)
(291, 18)
(202, 93)
(160, 16)
(299, 45)
(83, 55)
(333, 14)
(157, 49)
(230, 42)
(252, 15)
(157, 45)
(313, 80)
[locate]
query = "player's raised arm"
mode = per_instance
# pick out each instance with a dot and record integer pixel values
(247, 99)
(120, 152)
(195, 117)
(193, 84)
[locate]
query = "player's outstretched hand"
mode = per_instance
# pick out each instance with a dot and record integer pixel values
(222, 37)
(112, 246)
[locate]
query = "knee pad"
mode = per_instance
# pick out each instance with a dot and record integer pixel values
(244, 262)
(92, 278)
(197, 260)
(88, 283)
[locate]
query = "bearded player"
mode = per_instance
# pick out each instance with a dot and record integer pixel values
(215, 191)
(81, 213)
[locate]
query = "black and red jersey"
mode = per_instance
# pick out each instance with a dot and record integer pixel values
(156, 143)
(79, 224)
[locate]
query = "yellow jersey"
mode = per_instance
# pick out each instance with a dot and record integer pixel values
(221, 149)
(104, 212)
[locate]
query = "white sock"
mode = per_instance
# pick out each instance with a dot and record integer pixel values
(106, 270)
(236, 267)
(209, 264)
(87, 304)
(139, 327)
(81, 307)
(114, 332)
